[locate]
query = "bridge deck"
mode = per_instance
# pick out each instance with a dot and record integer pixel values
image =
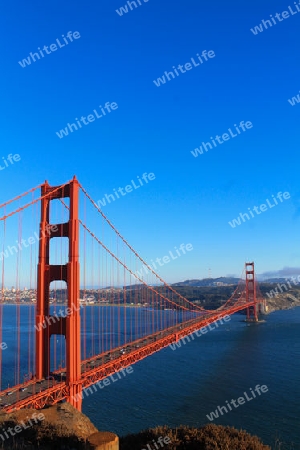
(38, 393)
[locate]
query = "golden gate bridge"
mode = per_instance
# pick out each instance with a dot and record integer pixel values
(65, 259)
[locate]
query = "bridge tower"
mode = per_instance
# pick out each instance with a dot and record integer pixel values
(68, 326)
(251, 292)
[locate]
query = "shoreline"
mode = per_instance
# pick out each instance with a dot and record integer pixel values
(282, 307)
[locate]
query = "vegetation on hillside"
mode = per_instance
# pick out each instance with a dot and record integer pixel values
(209, 437)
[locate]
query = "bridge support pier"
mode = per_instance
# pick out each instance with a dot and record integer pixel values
(68, 326)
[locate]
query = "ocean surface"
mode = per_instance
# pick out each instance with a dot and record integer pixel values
(183, 386)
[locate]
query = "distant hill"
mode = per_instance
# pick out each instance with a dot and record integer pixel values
(275, 280)
(209, 282)
(212, 282)
(224, 281)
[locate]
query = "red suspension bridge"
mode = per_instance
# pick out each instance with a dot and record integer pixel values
(56, 356)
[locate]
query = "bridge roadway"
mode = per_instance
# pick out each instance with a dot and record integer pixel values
(38, 393)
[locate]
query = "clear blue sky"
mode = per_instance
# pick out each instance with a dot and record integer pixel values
(154, 129)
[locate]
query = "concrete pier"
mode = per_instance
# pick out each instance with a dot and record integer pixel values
(104, 440)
